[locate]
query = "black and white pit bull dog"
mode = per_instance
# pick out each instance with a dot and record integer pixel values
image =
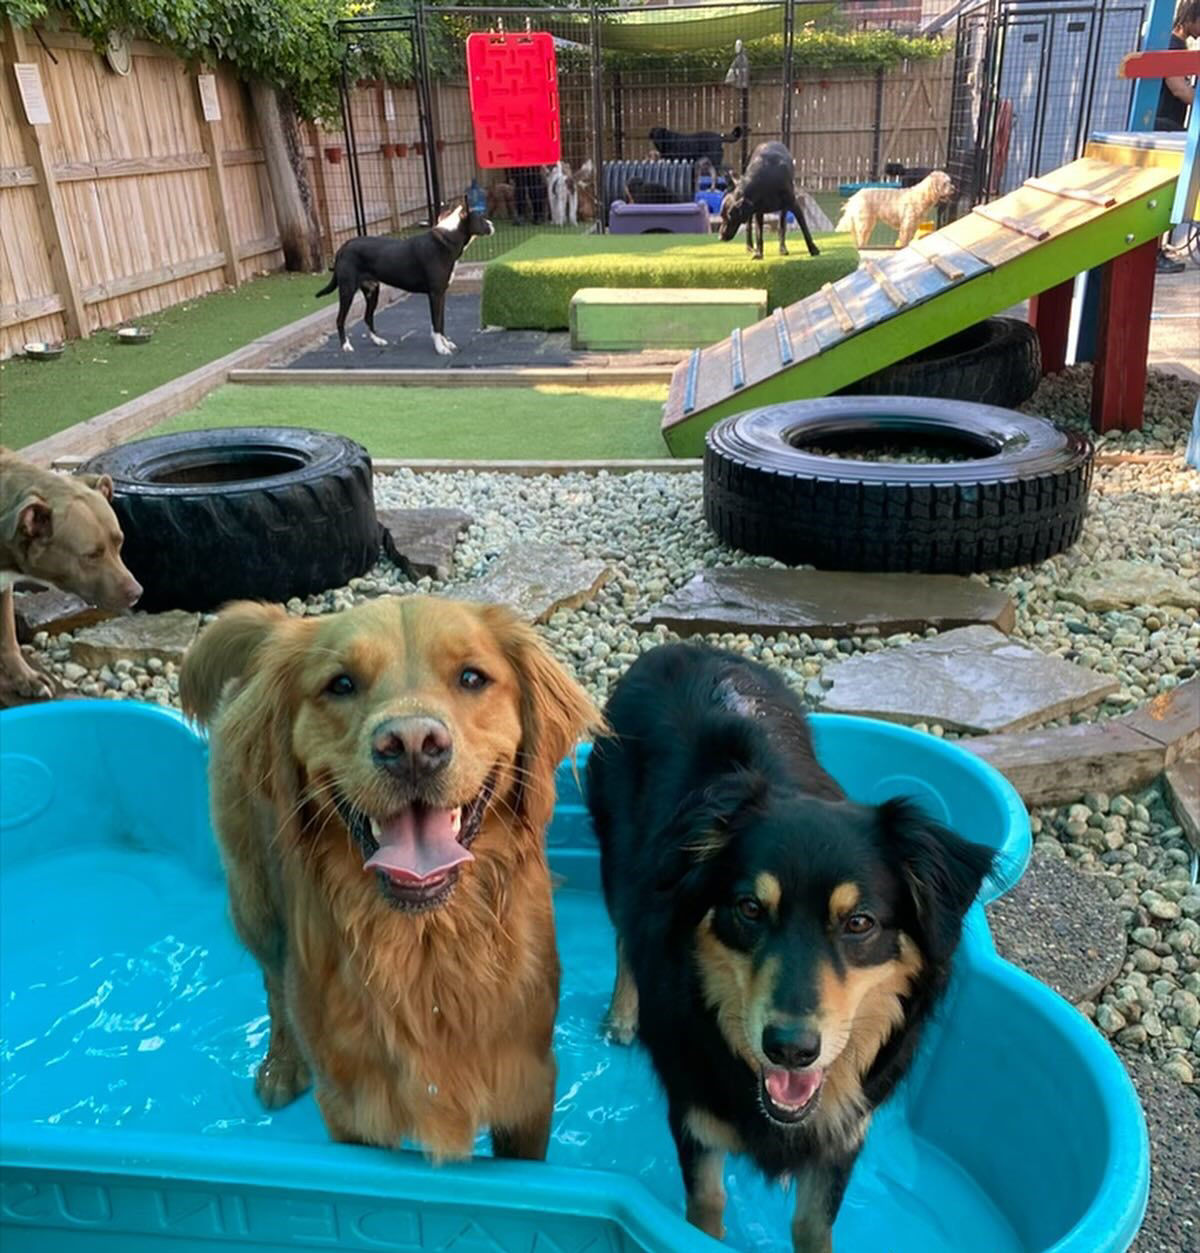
(767, 186)
(422, 263)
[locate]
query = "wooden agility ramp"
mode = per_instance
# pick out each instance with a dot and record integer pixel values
(1041, 235)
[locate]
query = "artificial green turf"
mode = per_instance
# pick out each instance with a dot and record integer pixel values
(550, 423)
(530, 287)
(40, 398)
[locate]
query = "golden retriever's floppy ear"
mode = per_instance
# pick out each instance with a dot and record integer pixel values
(100, 482)
(556, 713)
(223, 652)
(257, 647)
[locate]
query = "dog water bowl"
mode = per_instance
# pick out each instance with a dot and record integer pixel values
(131, 1023)
(134, 334)
(37, 350)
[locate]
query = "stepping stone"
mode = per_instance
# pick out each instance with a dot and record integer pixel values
(1171, 719)
(137, 636)
(1183, 795)
(1106, 585)
(972, 679)
(1060, 925)
(535, 579)
(826, 603)
(425, 539)
(50, 610)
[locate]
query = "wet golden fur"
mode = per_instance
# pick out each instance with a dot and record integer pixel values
(424, 1026)
(903, 210)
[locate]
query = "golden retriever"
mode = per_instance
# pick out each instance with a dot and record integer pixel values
(904, 210)
(381, 780)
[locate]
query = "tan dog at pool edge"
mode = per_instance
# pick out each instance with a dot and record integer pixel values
(902, 210)
(60, 530)
(381, 781)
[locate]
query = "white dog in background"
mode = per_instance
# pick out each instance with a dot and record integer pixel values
(562, 194)
(903, 210)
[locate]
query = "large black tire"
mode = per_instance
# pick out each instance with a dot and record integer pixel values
(260, 512)
(995, 362)
(1021, 501)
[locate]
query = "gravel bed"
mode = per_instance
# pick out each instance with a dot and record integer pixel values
(649, 528)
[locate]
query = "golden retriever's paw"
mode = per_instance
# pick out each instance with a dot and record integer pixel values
(280, 1080)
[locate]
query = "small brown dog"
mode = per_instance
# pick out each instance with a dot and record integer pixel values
(381, 783)
(901, 210)
(59, 530)
(502, 202)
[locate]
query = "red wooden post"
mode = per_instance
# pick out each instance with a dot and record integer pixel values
(1119, 378)
(1050, 316)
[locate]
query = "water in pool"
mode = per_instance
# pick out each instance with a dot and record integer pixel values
(136, 1006)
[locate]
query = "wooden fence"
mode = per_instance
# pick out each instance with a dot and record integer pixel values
(127, 200)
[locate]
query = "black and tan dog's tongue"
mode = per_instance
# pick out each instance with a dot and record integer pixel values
(418, 845)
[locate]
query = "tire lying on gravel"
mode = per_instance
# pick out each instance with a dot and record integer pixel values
(995, 362)
(1019, 498)
(260, 512)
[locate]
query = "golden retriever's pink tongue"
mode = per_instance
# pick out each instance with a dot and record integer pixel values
(420, 845)
(792, 1088)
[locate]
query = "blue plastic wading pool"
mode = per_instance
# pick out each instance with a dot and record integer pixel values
(132, 1023)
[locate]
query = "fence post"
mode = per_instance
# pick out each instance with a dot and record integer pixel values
(320, 190)
(64, 265)
(598, 116)
(877, 142)
(217, 191)
(789, 42)
(389, 135)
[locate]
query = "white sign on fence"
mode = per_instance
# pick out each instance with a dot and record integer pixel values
(209, 101)
(389, 105)
(29, 83)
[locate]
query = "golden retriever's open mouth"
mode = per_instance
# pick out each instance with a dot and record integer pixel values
(416, 853)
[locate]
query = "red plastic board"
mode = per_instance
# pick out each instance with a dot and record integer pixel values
(514, 99)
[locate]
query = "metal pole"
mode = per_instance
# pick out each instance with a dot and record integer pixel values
(356, 196)
(598, 116)
(877, 142)
(1085, 115)
(789, 41)
(425, 108)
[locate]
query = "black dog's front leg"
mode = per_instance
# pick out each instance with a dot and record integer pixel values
(437, 315)
(819, 1189)
(813, 250)
(758, 252)
(703, 1179)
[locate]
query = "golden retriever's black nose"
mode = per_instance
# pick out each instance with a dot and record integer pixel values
(412, 746)
(791, 1047)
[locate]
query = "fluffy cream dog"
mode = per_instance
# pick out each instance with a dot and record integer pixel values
(902, 210)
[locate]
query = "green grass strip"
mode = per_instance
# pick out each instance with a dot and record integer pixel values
(41, 398)
(531, 286)
(541, 423)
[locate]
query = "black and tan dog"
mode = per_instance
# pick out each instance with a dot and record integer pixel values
(779, 947)
(767, 186)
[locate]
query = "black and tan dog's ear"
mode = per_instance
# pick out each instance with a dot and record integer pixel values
(943, 872)
(702, 828)
(35, 519)
(101, 482)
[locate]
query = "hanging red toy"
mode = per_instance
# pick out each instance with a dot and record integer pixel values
(514, 99)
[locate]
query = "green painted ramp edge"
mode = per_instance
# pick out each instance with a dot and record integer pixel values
(1042, 267)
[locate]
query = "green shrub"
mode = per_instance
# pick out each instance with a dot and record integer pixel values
(530, 288)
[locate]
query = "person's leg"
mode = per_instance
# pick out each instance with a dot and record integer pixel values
(1163, 263)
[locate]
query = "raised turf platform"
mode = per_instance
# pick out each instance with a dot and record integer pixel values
(618, 319)
(530, 287)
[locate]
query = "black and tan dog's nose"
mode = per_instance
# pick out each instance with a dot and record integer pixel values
(791, 1047)
(413, 746)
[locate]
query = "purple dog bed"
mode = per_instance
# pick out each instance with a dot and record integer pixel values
(668, 219)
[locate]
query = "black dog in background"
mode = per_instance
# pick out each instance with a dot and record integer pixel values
(767, 186)
(778, 947)
(695, 146)
(642, 191)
